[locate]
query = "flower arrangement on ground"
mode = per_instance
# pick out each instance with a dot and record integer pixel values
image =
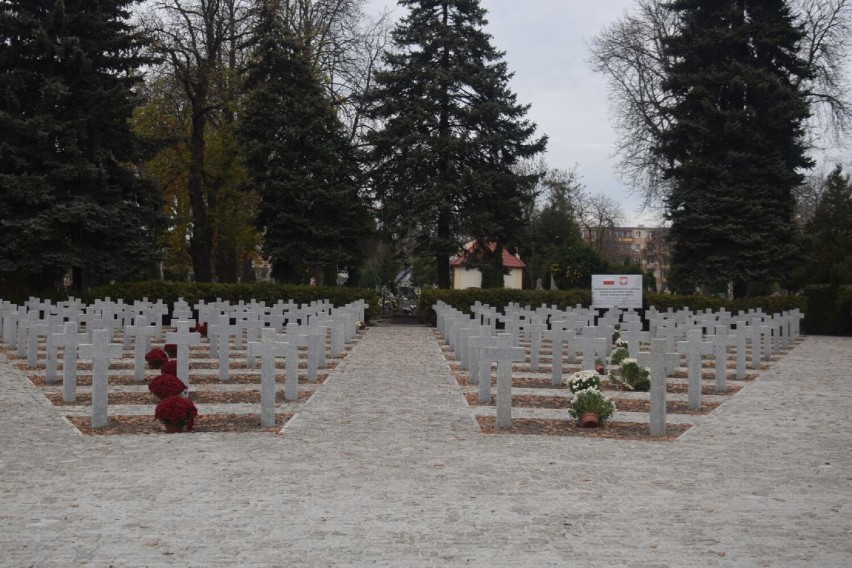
(177, 412)
(620, 343)
(200, 328)
(156, 358)
(584, 379)
(618, 355)
(632, 376)
(165, 386)
(169, 367)
(591, 401)
(171, 349)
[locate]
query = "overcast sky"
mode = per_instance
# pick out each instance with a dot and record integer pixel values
(546, 44)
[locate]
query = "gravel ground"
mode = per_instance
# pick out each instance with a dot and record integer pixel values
(386, 466)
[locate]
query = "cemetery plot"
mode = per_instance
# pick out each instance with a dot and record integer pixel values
(243, 377)
(696, 361)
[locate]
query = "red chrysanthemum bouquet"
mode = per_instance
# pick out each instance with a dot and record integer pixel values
(156, 358)
(169, 367)
(166, 385)
(176, 412)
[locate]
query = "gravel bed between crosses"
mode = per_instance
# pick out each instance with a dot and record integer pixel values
(213, 422)
(612, 429)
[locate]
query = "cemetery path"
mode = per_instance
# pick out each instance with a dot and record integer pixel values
(393, 390)
(385, 467)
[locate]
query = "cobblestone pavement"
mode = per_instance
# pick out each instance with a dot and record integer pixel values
(386, 466)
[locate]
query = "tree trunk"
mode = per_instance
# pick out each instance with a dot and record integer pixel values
(200, 245)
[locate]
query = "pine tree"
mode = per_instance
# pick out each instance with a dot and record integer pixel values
(299, 161)
(70, 197)
(829, 232)
(736, 143)
(451, 130)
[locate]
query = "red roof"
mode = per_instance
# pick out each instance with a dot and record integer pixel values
(509, 260)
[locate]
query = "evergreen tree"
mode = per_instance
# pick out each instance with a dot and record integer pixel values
(70, 197)
(451, 130)
(736, 142)
(829, 232)
(299, 161)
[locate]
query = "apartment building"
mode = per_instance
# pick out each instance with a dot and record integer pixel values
(645, 246)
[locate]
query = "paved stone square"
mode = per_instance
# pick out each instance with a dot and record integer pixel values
(386, 466)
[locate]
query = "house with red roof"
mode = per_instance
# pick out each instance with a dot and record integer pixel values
(467, 276)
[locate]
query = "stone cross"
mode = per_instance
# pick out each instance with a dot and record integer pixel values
(475, 345)
(659, 358)
(504, 357)
(694, 347)
(142, 334)
(38, 328)
(69, 340)
(535, 329)
(183, 339)
(101, 352)
(721, 341)
(558, 336)
(634, 339)
(741, 334)
(502, 340)
(268, 349)
(591, 347)
(223, 332)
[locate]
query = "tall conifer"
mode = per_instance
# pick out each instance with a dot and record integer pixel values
(70, 198)
(736, 145)
(450, 132)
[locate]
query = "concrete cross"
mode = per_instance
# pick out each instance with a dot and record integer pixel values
(142, 334)
(222, 332)
(559, 337)
(591, 347)
(659, 359)
(504, 357)
(721, 341)
(535, 329)
(101, 351)
(69, 340)
(694, 347)
(502, 340)
(268, 349)
(183, 339)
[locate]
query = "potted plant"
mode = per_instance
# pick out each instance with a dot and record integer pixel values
(583, 380)
(169, 367)
(631, 376)
(618, 355)
(171, 349)
(176, 413)
(165, 386)
(591, 408)
(156, 358)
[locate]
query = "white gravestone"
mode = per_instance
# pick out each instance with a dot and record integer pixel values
(694, 347)
(101, 352)
(183, 339)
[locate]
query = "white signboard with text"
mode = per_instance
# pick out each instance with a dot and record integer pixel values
(616, 290)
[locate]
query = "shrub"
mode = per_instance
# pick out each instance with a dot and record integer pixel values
(632, 377)
(618, 355)
(591, 400)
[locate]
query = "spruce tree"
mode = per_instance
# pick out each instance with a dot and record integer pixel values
(70, 198)
(829, 232)
(735, 146)
(450, 132)
(299, 160)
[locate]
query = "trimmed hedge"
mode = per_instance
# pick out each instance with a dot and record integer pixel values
(829, 309)
(268, 292)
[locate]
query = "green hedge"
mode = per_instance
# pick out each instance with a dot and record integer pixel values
(829, 309)
(464, 299)
(268, 292)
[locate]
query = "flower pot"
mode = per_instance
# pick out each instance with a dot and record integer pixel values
(589, 420)
(601, 370)
(172, 427)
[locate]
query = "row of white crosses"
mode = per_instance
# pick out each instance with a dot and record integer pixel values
(89, 331)
(585, 331)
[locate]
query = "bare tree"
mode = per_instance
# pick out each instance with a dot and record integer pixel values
(598, 216)
(630, 54)
(198, 41)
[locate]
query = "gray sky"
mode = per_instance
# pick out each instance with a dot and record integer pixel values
(546, 44)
